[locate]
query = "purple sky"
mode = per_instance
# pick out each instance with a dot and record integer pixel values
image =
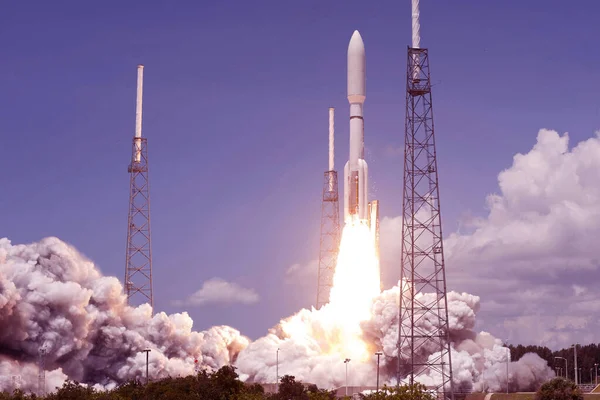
(235, 112)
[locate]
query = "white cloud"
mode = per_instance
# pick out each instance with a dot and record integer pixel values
(534, 257)
(579, 290)
(219, 291)
(301, 273)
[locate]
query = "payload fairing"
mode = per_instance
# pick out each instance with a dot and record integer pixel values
(356, 204)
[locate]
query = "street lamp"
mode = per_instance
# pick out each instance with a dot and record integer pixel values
(277, 372)
(575, 357)
(507, 362)
(566, 366)
(346, 361)
(378, 354)
(596, 372)
(147, 351)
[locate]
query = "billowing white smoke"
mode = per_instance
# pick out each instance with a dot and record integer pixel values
(479, 360)
(51, 296)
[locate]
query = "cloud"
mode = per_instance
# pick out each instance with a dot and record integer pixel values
(306, 272)
(532, 259)
(219, 291)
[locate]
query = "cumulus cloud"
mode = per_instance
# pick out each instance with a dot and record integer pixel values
(533, 255)
(219, 291)
(302, 272)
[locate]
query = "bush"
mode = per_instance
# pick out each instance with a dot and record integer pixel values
(559, 389)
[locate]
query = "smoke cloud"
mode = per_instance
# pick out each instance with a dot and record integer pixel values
(53, 297)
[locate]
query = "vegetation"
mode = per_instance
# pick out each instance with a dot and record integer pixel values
(406, 392)
(221, 385)
(559, 389)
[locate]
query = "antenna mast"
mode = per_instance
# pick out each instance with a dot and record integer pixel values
(138, 266)
(42, 372)
(330, 225)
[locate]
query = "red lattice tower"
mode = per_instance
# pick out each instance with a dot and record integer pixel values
(138, 268)
(330, 237)
(423, 324)
(330, 225)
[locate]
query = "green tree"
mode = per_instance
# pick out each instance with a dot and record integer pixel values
(226, 383)
(17, 394)
(289, 389)
(559, 389)
(72, 390)
(416, 391)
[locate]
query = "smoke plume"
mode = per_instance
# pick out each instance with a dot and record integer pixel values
(53, 297)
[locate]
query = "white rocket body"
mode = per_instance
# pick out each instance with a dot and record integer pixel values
(356, 170)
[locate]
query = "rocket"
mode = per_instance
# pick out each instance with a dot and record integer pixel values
(356, 170)
(356, 204)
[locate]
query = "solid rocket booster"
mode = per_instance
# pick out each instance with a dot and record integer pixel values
(356, 171)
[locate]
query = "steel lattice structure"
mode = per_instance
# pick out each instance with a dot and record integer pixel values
(423, 324)
(138, 270)
(42, 372)
(330, 237)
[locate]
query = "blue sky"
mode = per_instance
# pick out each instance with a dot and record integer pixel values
(235, 111)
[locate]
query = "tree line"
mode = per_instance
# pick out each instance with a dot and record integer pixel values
(223, 384)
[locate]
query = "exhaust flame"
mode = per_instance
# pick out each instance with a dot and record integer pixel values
(356, 283)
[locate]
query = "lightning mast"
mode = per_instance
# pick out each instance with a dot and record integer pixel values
(423, 320)
(42, 372)
(138, 268)
(330, 225)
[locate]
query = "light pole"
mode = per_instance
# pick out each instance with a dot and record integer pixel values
(575, 357)
(378, 354)
(147, 351)
(346, 361)
(596, 372)
(507, 361)
(277, 372)
(566, 366)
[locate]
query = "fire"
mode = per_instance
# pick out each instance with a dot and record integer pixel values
(335, 328)
(356, 281)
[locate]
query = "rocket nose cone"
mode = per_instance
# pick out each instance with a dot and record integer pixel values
(356, 69)
(356, 45)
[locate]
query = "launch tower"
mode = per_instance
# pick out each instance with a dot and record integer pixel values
(330, 225)
(42, 372)
(138, 268)
(423, 324)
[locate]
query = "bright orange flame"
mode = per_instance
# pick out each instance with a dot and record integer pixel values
(335, 328)
(356, 283)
